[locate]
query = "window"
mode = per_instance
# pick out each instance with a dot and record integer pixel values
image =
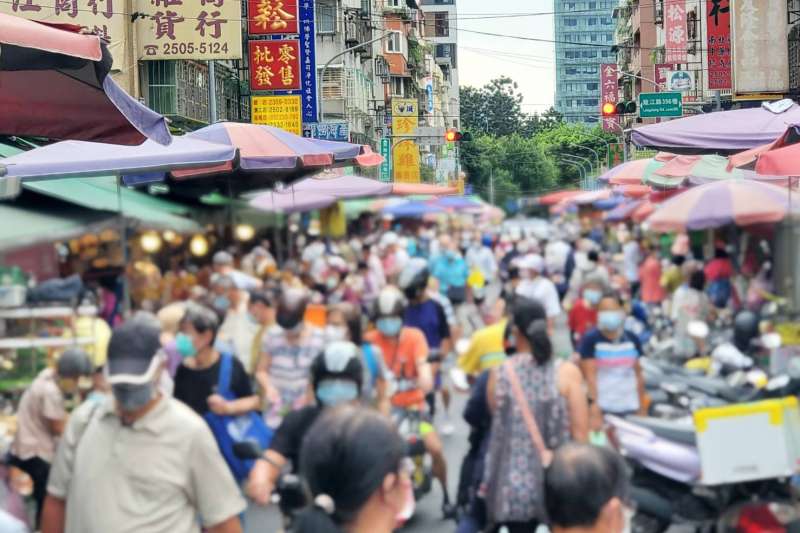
(569, 5)
(590, 101)
(594, 37)
(398, 87)
(592, 5)
(571, 70)
(437, 24)
(570, 22)
(608, 37)
(326, 19)
(394, 3)
(592, 21)
(394, 43)
(591, 86)
(589, 53)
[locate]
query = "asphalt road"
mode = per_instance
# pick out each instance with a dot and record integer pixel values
(428, 515)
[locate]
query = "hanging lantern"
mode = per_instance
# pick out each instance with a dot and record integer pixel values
(244, 232)
(150, 242)
(198, 245)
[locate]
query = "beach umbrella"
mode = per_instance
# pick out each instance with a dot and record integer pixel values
(632, 172)
(556, 197)
(609, 203)
(289, 201)
(633, 191)
(700, 169)
(623, 211)
(55, 83)
(413, 209)
(778, 158)
(741, 202)
(413, 189)
(721, 132)
(341, 187)
(456, 203)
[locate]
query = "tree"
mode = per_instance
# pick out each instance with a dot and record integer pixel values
(492, 109)
(574, 140)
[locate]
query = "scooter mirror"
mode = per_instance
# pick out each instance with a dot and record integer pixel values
(459, 379)
(771, 341)
(697, 329)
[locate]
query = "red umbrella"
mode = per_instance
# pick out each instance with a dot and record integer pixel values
(634, 191)
(55, 83)
(559, 196)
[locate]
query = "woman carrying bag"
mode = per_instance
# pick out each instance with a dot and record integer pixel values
(537, 405)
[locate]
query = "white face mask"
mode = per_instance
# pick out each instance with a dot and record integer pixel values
(335, 333)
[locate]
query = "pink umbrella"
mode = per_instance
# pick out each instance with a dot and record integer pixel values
(328, 183)
(289, 201)
(741, 202)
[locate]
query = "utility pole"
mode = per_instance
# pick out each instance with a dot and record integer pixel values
(212, 93)
(491, 185)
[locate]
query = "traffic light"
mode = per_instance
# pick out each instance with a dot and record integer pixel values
(626, 108)
(452, 136)
(609, 109)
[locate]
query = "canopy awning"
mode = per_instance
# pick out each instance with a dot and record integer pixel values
(100, 193)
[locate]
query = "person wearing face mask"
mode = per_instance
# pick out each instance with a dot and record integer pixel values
(451, 270)
(344, 323)
(223, 267)
(405, 352)
(535, 286)
(41, 417)
(261, 313)
(357, 473)
(583, 314)
(336, 378)
(286, 355)
(139, 461)
(586, 489)
(610, 363)
(237, 329)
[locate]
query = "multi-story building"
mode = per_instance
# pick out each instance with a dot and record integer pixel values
(440, 30)
(584, 35)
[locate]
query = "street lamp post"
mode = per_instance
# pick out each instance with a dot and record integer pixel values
(581, 169)
(321, 110)
(577, 158)
(596, 155)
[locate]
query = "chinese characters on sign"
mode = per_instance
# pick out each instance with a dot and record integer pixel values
(328, 131)
(609, 91)
(280, 111)
(675, 31)
(386, 166)
(761, 61)
(616, 154)
(106, 18)
(274, 65)
(202, 30)
(405, 156)
(662, 69)
(308, 66)
(653, 105)
(718, 58)
(270, 17)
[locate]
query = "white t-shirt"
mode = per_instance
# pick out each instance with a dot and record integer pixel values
(544, 291)
(632, 258)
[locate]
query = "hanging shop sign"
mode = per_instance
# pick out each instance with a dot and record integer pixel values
(280, 111)
(675, 31)
(186, 29)
(274, 65)
(760, 53)
(609, 91)
(273, 17)
(308, 60)
(718, 44)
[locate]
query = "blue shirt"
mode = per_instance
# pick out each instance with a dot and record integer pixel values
(429, 317)
(451, 272)
(617, 390)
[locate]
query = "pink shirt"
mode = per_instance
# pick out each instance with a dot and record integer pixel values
(650, 279)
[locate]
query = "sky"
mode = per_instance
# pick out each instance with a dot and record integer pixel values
(483, 58)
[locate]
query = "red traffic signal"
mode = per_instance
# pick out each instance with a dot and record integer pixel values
(452, 136)
(609, 109)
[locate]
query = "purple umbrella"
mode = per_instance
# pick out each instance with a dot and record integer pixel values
(289, 201)
(723, 131)
(412, 209)
(623, 210)
(342, 186)
(457, 203)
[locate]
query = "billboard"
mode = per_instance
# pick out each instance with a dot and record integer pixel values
(761, 55)
(718, 43)
(405, 156)
(675, 31)
(680, 80)
(280, 111)
(183, 29)
(308, 60)
(273, 17)
(274, 65)
(609, 91)
(103, 17)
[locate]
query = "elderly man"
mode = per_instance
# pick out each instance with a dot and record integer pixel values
(585, 489)
(223, 266)
(143, 462)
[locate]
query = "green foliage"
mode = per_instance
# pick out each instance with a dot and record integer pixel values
(574, 140)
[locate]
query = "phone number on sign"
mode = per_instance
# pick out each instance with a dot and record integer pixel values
(194, 48)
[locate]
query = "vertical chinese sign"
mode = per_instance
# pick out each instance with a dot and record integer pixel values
(760, 54)
(718, 57)
(187, 29)
(386, 166)
(106, 18)
(609, 91)
(675, 31)
(279, 111)
(405, 156)
(282, 59)
(661, 70)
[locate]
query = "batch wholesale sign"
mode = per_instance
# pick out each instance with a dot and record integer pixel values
(106, 18)
(761, 57)
(282, 63)
(187, 29)
(718, 44)
(609, 91)
(675, 31)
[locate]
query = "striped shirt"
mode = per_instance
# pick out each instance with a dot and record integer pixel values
(617, 390)
(289, 368)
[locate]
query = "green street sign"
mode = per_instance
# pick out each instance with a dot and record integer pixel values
(386, 166)
(616, 154)
(653, 105)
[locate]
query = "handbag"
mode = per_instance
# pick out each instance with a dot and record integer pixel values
(228, 430)
(545, 455)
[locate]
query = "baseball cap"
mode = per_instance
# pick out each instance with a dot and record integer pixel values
(134, 351)
(223, 258)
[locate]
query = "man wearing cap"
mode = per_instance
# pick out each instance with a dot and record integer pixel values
(223, 266)
(537, 287)
(41, 417)
(141, 462)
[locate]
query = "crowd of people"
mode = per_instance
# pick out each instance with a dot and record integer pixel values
(320, 359)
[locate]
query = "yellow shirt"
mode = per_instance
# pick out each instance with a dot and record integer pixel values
(486, 349)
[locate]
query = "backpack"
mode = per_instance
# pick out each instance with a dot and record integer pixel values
(228, 430)
(719, 292)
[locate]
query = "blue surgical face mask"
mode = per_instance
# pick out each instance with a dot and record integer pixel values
(592, 296)
(332, 392)
(610, 320)
(221, 303)
(184, 345)
(390, 325)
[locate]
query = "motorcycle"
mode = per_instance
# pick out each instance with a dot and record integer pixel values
(409, 424)
(667, 488)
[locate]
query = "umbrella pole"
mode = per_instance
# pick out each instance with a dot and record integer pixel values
(126, 293)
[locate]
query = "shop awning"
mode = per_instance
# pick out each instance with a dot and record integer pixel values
(31, 226)
(101, 193)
